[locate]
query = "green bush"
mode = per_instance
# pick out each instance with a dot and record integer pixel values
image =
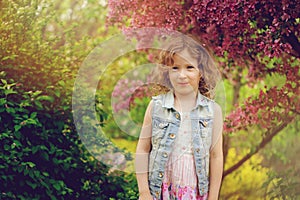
(42, 156)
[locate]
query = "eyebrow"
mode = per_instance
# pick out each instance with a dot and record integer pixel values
(185, 64)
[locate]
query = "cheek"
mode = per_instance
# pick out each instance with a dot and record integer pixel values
(171, 78)
(195, 76)
(195, 79)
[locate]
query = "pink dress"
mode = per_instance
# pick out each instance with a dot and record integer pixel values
(180, 180)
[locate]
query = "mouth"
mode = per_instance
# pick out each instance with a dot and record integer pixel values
(183, 84)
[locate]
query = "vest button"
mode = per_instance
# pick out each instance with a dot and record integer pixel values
(172, 135)
(160, 175)
(197, 150)
(177, 116)
(165, 155)
(161, 125)
(204, 123)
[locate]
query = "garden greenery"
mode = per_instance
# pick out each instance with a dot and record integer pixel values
(42, 156)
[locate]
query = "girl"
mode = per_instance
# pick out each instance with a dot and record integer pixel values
(179, 153)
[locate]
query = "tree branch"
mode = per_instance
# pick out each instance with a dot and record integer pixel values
(268, 138)
(294, 42)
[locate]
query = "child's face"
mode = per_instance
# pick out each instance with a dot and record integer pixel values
(184, 74)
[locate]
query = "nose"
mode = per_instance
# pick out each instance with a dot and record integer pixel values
(182, 73)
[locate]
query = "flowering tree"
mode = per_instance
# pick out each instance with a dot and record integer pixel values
(258, 38)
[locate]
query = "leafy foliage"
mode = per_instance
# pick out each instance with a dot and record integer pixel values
(246, 180)
(246, 33)
(42, 156)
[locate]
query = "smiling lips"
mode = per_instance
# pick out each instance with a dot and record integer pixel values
(183, 84)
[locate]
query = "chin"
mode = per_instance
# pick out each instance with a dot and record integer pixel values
(185, 91)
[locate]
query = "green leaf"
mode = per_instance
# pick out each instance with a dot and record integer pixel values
(57, 93)
(32, 121)
(17, 128)
(45, 173)
(36, 93)
(33, 115)
(20, 169)
(37, 173)
(16, 143)
(9, 91)
(31, 174)
(17, 135)
(55, 160)
(2, 101)
(38, 104)
(10, 57)
(31, 164)
(4, 135)
(32, 185)
(35, 149)
(56, 186)
(45, 98)
(26, 172)
(4, 81)
(11, 110)
(6, 147)
(62, 83)
(45, 155)
(45, 185)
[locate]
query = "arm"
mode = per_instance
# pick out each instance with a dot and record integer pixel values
(142, 156)
(216, 155)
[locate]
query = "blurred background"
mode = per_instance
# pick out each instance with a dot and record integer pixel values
(44, 43)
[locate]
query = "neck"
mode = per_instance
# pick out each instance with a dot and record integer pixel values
(185, 102)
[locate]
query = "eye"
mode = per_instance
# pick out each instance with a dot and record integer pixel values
(190, 67)
(174, 68)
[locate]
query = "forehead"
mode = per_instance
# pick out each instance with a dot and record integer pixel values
(184, 57)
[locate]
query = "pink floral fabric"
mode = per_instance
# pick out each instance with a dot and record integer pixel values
(173, 192)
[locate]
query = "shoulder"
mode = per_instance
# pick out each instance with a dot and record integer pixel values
(156, 102)
(217, 107)
(160, 97)
(163, 98)
(162, 102)
(217, 111)
(212, 103)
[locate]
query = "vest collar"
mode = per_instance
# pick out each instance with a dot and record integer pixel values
(168, 100)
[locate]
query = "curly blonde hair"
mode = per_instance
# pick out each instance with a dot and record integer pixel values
(206, 65)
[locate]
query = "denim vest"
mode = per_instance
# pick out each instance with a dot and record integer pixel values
(165, 125)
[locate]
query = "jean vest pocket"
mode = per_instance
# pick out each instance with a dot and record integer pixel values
(159, 128)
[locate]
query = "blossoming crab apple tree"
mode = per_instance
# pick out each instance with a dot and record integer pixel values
(258, 37)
